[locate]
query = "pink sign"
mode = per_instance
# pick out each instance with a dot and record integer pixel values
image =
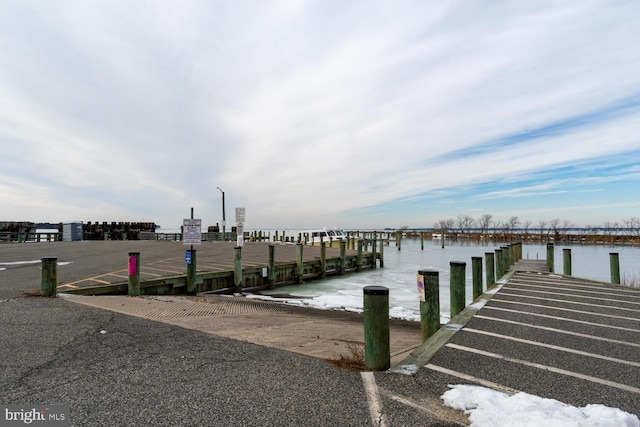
(132, 265)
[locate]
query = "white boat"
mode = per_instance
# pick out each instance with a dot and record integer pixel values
(324, 235)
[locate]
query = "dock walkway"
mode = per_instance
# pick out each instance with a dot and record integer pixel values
(554, 336)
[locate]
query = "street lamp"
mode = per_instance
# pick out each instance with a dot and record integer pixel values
(224, 234)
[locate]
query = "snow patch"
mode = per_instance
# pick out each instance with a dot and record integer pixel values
(406, 369)
(487, 408)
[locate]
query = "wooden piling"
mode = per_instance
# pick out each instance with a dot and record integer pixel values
(499, 264)
(299, 264)
(430, 304)
(476, 271)
(377, 350)
(191, 272)
(323, 260)
(457, 287)
(49, 280)
(271, 274)
(550, 256)
(490, 267)
(374, 244)
(134, 274)
(237, 269)
(614, 263)
(566, 261)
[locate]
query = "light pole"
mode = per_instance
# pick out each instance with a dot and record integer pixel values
(224, 234)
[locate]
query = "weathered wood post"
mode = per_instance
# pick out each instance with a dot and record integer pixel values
(614, 263)
(457, 287)
(490, 267)
(499, 264)
(358, 256)
(237, 269)
(343, 256)
(550, 260)
(134, 274)
(49, 282)
(323, 260)
(374, 248)
(476, 271)
(422, 240)
(442, 237)
(377, 350)
(271, 274)
(299, 264)
(399, 240)
(429, 302)
(191, 271)
(506, 259)
(566, 261)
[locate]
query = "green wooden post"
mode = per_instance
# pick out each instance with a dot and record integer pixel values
(550, 260)
(476, 271)
(358, 256)
(271, 274)
(134, 274)
(191, 272)
(566, 261)
(49, 280)
(381, 253)
(430, 307)
(399, 240)
(275, 239)
(506, 259)
(237, 269)
(422, 240)
(377, 350)
(323, 260)
(457, 287)
(299, 264)
(490, 267)
(499, 264)
(614, 263)
(374, 255)
(442, 237)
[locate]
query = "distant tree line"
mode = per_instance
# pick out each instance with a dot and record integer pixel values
(556, 229)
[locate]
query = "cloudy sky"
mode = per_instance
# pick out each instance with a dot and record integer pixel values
(357, 114)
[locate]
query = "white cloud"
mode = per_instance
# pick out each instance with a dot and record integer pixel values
(301, 111)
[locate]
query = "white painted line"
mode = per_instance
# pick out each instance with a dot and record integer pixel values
(553, 347)
(579, 296)
(471, 378)
(378, 418)
(561, 331)
(563, 309)
(564, 319)
(634, 310)
(526, 282)
(546, 368)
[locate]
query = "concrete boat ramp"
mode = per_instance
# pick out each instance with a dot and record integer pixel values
(554, 336)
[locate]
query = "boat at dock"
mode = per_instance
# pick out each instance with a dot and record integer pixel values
(325, 235)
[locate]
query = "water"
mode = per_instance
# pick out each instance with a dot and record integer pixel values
(401, 267)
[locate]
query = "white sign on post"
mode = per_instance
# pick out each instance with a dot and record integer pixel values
(191, 231)
(240, 216)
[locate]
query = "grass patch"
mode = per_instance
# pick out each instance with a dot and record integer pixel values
(353, 361)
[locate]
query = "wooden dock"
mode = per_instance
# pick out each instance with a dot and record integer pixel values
(163, 270)
(551, 335)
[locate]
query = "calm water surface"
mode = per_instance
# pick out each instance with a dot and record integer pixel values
(401, 267)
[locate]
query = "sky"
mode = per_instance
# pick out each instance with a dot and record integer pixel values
(310, 114)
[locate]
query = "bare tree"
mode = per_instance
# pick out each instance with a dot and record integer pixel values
(553, 226)
(525, 226)
(541, 225)
(632, 226)
(484, 222)
(464, 223)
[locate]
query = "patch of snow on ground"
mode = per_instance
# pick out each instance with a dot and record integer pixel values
(489, 408)
(406, 369)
